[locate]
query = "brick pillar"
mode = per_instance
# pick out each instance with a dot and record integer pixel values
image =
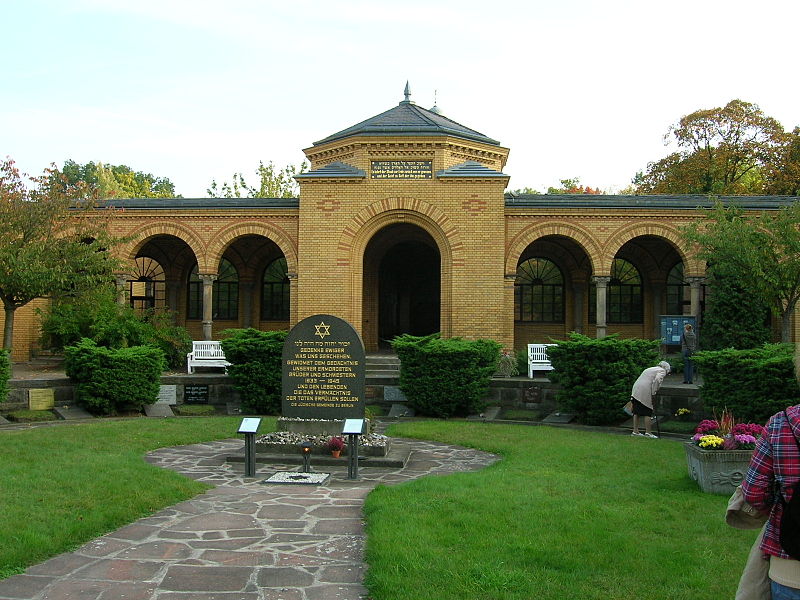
(208, 304)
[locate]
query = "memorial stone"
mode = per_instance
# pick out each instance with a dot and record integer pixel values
(323, 370)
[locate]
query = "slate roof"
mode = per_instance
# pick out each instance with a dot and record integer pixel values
(200, 203)
(407, 119)
(470, 168)
(660, 201)
(336, 170)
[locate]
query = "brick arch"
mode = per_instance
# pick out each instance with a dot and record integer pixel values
(533, 232)
(692, 266)
(363, 227)
(222, 239)
(141, 235)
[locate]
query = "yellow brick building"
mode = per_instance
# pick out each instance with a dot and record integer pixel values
(402, 226)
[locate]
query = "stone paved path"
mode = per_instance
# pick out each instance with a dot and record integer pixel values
(242, 540)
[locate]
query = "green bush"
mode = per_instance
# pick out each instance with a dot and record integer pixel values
(101, 318)
(5, 374)
(255, 358)
(113, 380)
(445, 377)
(596, 375)
(753, 384)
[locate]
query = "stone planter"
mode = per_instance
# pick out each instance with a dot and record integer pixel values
(717, 471)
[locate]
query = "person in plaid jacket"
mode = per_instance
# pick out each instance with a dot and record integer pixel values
(776, 462)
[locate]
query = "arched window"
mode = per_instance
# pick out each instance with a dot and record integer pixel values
(539, 292)
(275, 291)
(623, 296)
(225, 294)
(677, 291)
(147, 286)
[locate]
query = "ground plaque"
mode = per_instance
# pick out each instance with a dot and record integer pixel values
(323, 370)
(41, 399)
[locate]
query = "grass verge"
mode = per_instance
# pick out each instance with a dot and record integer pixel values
(63, 486)
(565, 514)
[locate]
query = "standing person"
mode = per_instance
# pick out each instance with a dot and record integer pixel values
(688, 347)
(776, 462)
(644, 389)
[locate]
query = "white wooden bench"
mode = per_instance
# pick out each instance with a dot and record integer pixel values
(206, 354)
(537, 358)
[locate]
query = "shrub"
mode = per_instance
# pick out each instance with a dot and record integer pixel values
(446, 378)
(255, 358)
(102, 319)
(596, 375)
(5, 374)
(753, 384)
(112, 380)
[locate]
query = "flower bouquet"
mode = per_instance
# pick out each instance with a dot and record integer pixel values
(725, 434)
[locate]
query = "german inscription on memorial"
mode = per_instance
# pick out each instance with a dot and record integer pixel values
(402, 169)
(323, 370)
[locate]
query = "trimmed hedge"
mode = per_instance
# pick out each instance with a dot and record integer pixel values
(113, 380)
(446, 377)
(5, 374)
(753, 384)
(596, 375)
(255, 358)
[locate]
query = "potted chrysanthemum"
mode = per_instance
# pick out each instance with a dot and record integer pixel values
(719, 452)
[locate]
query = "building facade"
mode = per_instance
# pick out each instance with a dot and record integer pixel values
(402, 226)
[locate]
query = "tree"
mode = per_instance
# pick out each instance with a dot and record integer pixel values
(273, 183)
(722, 151)
(761, 251)
(573, 186)
(735, 315)
(116, 181)
(782, 176)
(52, 240)
(521, 191)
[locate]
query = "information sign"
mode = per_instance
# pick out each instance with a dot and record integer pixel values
(672, 327)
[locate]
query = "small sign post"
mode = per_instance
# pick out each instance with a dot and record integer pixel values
(249, 427)
(352, 429)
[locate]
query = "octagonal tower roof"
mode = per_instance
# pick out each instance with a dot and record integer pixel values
(408, 119)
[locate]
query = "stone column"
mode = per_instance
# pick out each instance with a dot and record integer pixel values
(122, 288)
(577, 306)
(208, 304)
(247, 303)
(657, 289)
(602, 291)
(695, 284)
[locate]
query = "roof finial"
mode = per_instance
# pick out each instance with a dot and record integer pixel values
(407, 92)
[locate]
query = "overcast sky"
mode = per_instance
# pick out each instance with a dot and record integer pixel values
(195, 90)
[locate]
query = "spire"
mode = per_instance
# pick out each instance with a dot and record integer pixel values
(407, 94)
(435, 109)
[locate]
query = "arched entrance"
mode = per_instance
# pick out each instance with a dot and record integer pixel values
(402, 285)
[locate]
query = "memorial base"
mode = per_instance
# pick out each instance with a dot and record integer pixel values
(312, 426)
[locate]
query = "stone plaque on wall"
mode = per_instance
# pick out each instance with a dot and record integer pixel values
(401, 169)
(167, 394)
(323, 370)
(41, 399)
(195, 394)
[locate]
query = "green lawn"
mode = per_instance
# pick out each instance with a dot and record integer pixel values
(566, 514)
(65, 485)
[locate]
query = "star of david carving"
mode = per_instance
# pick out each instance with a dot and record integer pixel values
(322, 330)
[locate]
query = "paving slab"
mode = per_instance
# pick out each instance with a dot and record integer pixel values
(241, 540)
